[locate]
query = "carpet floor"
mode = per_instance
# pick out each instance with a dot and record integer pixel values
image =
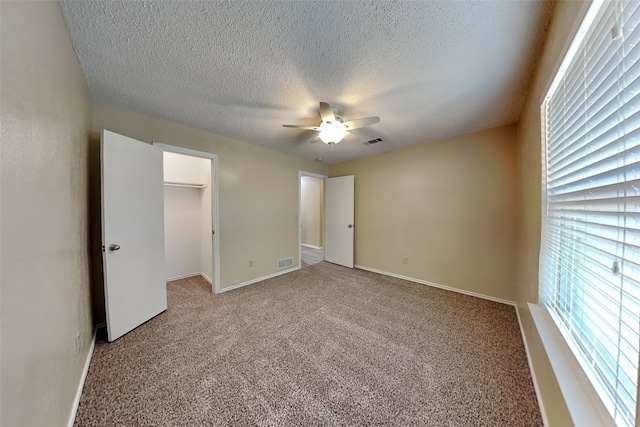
(325, 345)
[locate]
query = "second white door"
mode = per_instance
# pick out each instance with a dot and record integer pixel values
(339, 220)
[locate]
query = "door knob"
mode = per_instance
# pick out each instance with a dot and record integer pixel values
(350, 226)
(114, 247)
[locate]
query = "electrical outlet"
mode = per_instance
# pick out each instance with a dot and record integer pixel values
(250, 263)
(405, 260)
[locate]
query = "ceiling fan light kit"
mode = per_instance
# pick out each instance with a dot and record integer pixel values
(332, 129)
(332, 133)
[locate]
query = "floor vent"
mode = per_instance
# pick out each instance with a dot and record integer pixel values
(285, 262)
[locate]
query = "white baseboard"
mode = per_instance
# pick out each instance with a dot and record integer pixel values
(306, 245)
(259, 279)
(536, 387)
(207, 278)
(83, 377)
(435, 285)
(171, 279)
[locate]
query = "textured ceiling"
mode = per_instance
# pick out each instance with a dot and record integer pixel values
(428, 69)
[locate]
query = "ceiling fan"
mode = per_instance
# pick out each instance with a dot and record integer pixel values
(333, 129)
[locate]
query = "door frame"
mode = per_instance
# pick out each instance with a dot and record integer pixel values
(214, 203)
(300, 175)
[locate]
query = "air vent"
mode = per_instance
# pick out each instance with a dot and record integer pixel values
(373, 141)
(285, 262)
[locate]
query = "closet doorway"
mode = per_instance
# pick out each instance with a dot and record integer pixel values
(190, 214)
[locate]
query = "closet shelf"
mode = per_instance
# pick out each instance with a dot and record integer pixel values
(184, 184)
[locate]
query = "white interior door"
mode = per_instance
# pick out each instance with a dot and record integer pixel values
(132, 233)
(338, 220)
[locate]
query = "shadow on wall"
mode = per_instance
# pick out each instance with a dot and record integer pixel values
(95, 231)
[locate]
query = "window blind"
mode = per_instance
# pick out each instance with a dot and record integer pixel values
(590, 253)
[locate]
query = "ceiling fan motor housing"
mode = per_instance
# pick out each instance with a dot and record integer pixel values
(336, 112)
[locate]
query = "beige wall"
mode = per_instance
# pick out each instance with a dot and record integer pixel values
(258, 191)
(45, 119)
(449, 206)
(311, 210)
(565, 22)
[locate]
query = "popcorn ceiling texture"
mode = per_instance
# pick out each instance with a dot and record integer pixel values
(325, 345)
(430, 69)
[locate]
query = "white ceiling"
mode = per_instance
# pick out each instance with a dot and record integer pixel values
(428, 69)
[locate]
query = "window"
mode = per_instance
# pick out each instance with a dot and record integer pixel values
(590, 253)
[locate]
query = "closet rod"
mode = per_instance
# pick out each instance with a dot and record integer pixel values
(182, 184)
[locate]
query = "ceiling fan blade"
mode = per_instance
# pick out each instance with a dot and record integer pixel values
(327, 113)
(316, 128)
(303, 138)
(358, 123)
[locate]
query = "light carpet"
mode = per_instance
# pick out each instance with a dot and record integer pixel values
(325, 345)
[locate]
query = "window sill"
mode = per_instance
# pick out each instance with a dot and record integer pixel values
(585, 406)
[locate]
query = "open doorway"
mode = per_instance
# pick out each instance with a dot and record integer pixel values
(311, 214)
(190, 210)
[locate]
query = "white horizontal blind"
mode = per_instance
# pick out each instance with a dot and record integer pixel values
(590, 255)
